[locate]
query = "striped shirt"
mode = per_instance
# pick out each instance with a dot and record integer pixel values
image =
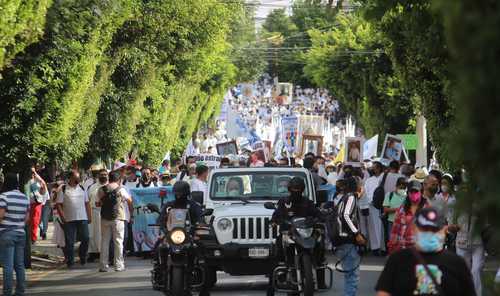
(16, 205)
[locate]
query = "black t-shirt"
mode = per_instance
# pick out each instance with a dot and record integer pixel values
(403, 275)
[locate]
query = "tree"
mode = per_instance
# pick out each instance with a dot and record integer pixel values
(51, 96)
(21, 24)
(351, 63)
(419, 53)
(475, 51)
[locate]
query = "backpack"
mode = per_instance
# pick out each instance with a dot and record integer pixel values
(331, 221)
(379, 194)
(111, 203)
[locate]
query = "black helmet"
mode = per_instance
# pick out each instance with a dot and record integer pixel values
(296, 184)
(181, 189)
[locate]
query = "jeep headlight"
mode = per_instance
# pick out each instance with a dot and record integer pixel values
(177, 236)
(224, 224)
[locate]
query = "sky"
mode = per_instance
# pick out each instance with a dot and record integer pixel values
(268, 6)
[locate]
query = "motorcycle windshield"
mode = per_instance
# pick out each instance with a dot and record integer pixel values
(302, 222)
(176, 218)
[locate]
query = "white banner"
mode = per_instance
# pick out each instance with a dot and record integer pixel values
(370, 148)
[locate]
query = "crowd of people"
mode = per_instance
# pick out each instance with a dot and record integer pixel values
(383, 204)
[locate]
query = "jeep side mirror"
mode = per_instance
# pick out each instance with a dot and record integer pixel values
(197, 196)
(153, 208)
(321, 197)
(270, 205)
(208, 212)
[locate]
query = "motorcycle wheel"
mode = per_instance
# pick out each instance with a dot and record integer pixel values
(177, 280)
(307, 275)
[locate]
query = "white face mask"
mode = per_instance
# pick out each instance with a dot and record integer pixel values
(402, 192)
(282, 189)
(445, 188)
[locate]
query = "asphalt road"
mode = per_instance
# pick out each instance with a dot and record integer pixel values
(87, 281)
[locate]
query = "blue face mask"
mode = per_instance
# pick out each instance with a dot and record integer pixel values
(429, 242)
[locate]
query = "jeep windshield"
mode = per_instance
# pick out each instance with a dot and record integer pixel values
(243, 186)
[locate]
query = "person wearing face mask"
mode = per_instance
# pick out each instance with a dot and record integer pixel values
(234, 187)
(146, 179)
(430, 190)
(182, 200)
(283, 185)
(426, 269)
(75, 213)
(95, 228)
(402, 232)
(392, 202)
(295, 205)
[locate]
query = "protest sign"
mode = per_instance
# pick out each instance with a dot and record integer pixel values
(145, 236)
(354, 151)
(289, 133)
(210, 160)
(227, 148)
(370, 148)
(410, 141)
(393, 149)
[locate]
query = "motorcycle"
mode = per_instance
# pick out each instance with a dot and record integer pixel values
(178, 264)
(301, 272)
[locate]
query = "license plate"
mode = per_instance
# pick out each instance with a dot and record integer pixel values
(258, 252)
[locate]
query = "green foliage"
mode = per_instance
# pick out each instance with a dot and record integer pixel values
(21, 23)
(52, 94)
(419, 52)
(351, 63)
(288, 37)
(474, 44)
(111, 77)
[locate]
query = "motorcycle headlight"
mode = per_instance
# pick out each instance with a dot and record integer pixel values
(305, 232)
(224, 224)
(177, 237)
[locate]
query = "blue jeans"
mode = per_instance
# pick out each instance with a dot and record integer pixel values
(12, 244)
(44, 220)
(71, 229)
(348, 253)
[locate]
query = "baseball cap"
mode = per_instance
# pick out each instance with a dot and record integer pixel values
(414, 185)
(430, 219)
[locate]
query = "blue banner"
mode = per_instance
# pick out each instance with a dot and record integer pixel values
(145, 236)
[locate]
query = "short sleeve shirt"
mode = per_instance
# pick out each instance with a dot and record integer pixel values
(403, 275)
(16, 205)
(394, 203)
(73, 200)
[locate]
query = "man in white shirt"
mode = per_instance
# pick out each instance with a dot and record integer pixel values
(375, 227)
(200, 183)
(74, 211)
(113, 200)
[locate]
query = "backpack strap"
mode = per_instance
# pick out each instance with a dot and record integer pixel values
(382, 183)
(391, 195)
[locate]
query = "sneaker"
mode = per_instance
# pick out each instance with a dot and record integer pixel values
(103, 269)
(120, 269)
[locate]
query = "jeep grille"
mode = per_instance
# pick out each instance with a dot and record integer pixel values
(253, 228)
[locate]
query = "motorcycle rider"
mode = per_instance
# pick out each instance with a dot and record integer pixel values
(182, 200)
(296, 205)
(182, 193)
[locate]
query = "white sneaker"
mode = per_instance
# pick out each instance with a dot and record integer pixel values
(120, 269)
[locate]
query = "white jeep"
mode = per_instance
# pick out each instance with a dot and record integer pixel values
(242, 236)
